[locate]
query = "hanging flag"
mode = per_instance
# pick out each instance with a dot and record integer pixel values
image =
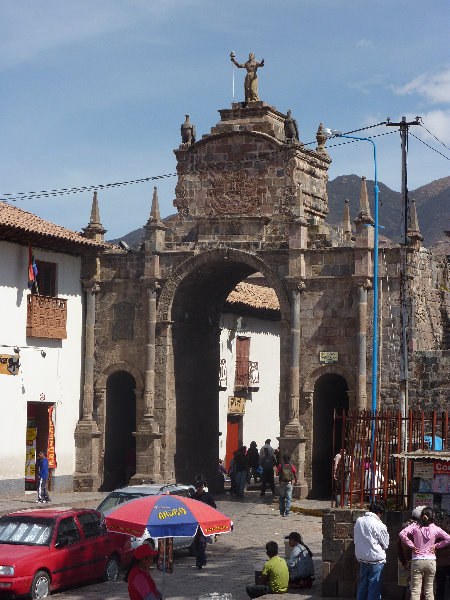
(32, 268)
(51, 455)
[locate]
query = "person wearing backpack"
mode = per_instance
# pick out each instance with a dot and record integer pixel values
(286, 473)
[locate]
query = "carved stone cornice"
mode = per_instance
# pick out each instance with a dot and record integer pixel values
(363, 282)
(90, 285)
(295, 284)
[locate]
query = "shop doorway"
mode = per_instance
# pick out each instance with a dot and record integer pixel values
(330, 393)
(120, 448)
(234, 429)
(36, 440)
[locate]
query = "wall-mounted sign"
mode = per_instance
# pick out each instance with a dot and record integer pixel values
(236, 405)
(328, 357)
(51, 455)
(9, 364)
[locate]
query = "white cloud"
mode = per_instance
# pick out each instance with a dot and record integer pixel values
(435, 87)
(363, 43)
(29, 28)
(438, 122)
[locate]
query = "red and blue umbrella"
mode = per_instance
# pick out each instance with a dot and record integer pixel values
(167, 516)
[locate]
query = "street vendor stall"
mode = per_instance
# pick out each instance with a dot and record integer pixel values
(430, 478)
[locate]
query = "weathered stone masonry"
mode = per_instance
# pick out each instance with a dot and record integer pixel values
(248, 200)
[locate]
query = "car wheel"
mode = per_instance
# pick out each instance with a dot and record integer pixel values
(111, 571)
(40, 588)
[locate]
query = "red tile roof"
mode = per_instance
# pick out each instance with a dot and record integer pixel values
(21, 226)
(255, 296)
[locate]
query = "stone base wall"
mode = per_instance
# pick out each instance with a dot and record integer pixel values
(340, 569)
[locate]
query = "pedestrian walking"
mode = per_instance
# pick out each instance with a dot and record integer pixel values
(424, 545)
(253, 462)
(266, 445)
(232, 474)
(275, 575)
(43, 479)
(371, 539)
(442, 520)
(200, 540)
(140, 583)
(241, 470)
(341, 476)
(286, 473)
(300, 563)
(267, 462)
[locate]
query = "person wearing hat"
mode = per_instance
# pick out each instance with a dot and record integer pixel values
(300, 563)
(200, 540)
(140, 583)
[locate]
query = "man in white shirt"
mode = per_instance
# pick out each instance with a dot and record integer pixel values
(371, 541)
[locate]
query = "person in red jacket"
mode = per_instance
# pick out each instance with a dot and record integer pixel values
(140, 583)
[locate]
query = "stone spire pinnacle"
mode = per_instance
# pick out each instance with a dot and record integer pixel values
(413, 232)
(95, 214)
(364, 208)
(364, 222)
(346, 224)
(155, 230)
(154, 212)
(94, 230)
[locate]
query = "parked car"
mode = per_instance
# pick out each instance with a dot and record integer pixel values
(48, 548)
(117, 497)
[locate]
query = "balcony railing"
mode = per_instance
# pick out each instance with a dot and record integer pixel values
(247, 374)
(46, 317)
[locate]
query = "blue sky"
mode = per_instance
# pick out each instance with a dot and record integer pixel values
(94, 91)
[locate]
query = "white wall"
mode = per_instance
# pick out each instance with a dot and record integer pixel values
(57, 376)
(261, 419)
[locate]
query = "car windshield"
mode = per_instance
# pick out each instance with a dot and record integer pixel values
(27, 531)
(116, 498)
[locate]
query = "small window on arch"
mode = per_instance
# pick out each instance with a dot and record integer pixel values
(45, 279)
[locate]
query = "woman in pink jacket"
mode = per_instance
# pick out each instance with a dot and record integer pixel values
(421, 537)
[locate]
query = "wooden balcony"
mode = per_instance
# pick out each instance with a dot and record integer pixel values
(46, 317)
(247, 375)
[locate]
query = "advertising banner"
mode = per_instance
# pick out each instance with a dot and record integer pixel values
(30, 459)
(51, 455)
(9, 365)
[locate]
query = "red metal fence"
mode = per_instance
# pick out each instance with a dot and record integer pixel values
(368, 469)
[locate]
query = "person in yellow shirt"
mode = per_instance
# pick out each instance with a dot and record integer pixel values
(275, 575)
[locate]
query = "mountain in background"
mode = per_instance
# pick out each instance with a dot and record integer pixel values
(432, 203)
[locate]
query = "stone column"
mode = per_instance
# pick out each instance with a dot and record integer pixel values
(293, 440)
(148, 437)
(86, 476)
(361, 383)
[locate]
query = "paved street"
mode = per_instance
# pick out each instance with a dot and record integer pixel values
(230, 560)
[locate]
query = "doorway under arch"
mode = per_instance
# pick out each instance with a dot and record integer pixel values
(120, 444)
(330, 393)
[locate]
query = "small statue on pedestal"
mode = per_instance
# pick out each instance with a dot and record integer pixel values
(187, 134)
(290, 128)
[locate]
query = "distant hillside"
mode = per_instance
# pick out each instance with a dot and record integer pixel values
(432, 202)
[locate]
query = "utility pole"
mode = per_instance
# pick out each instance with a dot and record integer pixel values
(404, 404)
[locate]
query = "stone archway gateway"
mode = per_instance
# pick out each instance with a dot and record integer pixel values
(249, 199)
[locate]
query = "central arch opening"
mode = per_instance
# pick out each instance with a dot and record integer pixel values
(196, 333)
(120, 446)
(330, 393)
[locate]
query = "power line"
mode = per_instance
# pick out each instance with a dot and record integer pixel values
(78, 190)
(432, 134)
(430, 147)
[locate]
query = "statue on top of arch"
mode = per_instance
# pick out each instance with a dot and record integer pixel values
(251, 79)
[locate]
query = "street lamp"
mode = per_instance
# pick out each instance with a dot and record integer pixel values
(330, 133)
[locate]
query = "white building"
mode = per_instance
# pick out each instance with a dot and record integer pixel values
(250, 369)
(41, 346)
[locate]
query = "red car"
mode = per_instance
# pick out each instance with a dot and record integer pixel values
(48, 548)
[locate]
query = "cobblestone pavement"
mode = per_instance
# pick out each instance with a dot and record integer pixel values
(230, 560)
